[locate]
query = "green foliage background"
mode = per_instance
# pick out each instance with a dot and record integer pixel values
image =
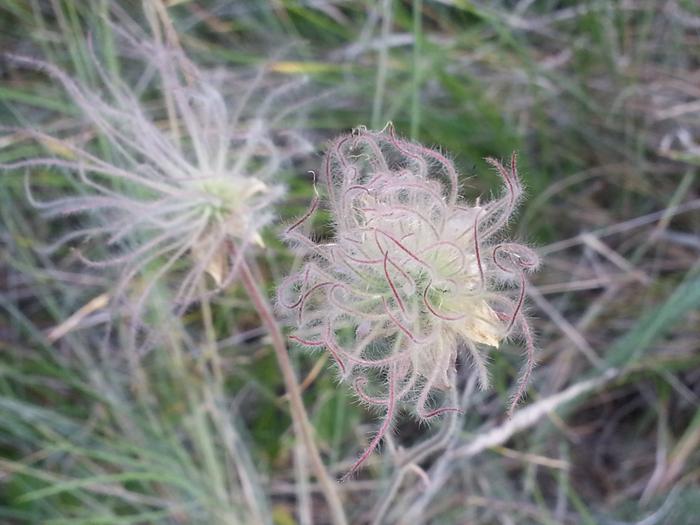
(594, 95)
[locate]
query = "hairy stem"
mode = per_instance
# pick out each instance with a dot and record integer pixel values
(302, 425)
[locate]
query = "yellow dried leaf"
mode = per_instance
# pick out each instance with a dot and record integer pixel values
(484, 326)
(217, 265)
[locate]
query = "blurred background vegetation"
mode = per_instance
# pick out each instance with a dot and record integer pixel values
(602, 101)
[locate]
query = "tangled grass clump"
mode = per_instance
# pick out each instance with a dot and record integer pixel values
(412, 274)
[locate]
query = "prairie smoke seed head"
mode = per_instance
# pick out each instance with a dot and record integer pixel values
(412, 275)
(188, 178)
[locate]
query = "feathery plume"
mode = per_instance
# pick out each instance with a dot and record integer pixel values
(190, 170)
(413, 274)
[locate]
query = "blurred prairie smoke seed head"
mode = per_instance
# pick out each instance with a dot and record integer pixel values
(190, 177)
(413, 274)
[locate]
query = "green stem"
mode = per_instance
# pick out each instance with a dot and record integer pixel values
(383, 64)
(417, 40)
(302, 425)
